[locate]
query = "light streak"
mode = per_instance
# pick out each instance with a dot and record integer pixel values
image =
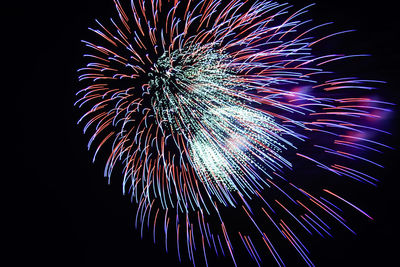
(209, 107)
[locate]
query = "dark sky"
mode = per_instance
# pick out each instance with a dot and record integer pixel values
(69, 216)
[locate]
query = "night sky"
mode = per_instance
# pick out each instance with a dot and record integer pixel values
(70, 216)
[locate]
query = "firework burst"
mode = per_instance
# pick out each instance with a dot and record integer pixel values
(209, 106)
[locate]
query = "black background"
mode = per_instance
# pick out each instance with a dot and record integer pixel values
(69, 216)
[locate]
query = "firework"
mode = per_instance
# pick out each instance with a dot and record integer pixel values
(209, 106)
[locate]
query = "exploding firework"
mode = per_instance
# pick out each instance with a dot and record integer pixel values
(209, 106)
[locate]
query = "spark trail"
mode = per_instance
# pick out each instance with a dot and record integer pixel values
(209, 107)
